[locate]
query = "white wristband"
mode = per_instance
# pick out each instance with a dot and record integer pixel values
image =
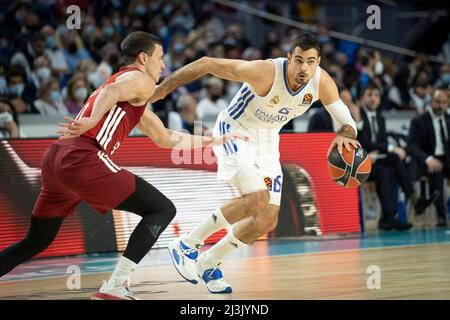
(341, 114)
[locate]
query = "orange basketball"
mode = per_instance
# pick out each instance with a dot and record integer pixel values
(351, 168)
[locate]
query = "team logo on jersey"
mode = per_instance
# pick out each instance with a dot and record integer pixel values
(268, 182)
(275, 100)
(307, 99)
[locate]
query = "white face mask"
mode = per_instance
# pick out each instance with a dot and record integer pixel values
(43, 73)
(378, 68)
(80, 94)
(6, 117)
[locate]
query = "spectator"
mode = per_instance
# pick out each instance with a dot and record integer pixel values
(388, 168)
(187, 106)
(50, 102)
(77, 93)
(41, 71)
(21, 92)
(8, 125)
(212, 104)
(175, 58)
(420, 96)
(26, 55)
(74, 50)
(53, 51)
(429, 145)
(321, 121)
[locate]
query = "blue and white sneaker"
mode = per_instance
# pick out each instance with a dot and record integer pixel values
(184, 259)
(211, 273)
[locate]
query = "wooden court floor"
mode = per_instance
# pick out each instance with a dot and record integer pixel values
(408, 272)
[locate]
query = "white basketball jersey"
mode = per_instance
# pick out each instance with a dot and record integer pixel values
(278, 107)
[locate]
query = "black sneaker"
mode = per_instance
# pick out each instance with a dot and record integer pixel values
(393, 223)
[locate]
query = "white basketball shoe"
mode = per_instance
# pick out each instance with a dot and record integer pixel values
(184, 258)
(114, 291)
(211, 273)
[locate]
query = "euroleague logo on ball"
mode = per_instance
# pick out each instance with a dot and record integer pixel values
(349, 169)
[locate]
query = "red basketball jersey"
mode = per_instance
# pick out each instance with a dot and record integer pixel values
(117, 123)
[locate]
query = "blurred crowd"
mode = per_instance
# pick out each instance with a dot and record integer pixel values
(47, 69)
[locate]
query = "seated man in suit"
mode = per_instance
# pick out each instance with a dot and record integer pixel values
(321, 120)
(388, 169)
(429, 145)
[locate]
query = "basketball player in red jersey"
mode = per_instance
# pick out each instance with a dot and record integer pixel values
(77, 167)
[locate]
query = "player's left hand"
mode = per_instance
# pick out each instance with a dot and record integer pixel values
(340, 142)
(75, 128)
(218, 141)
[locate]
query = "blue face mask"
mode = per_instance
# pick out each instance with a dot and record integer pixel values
(50, 42)
(108, 31)
(163, 32)
(55, 96)
(140, 10)
(17, 89)
(446, 78)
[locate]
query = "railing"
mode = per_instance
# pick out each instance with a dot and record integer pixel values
(338, 35)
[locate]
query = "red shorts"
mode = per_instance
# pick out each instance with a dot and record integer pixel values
(77, 170)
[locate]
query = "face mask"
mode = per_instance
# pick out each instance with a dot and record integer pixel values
(50, 42)
(167, 10)
(72, 48)
(323, 39)
(113, 59)
(116, 22)
(89, 29)
(178, 47)
(378, 68)
(17, 89)
(43, 73)
(55, 96)
(80, 94)
(140, 10)
(154, 6)
(6, 117)
(62, 29)
(446, 78)
(19, 17)
(108, 31)
(354, 92)
(163, 32)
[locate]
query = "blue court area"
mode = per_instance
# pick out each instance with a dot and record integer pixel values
(105, 262)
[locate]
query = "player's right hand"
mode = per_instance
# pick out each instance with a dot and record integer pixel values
(75, 128)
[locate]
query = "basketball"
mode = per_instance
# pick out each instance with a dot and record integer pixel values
(351, 168)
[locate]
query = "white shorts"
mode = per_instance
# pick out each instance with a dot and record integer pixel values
(252, 165)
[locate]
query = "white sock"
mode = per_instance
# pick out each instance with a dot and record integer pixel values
(224, 247)
(215, 222)
(123, 272)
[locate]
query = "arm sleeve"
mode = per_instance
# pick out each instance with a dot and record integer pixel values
(341, 114)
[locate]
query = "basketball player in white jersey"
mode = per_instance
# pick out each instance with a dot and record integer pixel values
(273, 92)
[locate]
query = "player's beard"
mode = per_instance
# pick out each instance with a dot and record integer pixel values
(301, 81)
